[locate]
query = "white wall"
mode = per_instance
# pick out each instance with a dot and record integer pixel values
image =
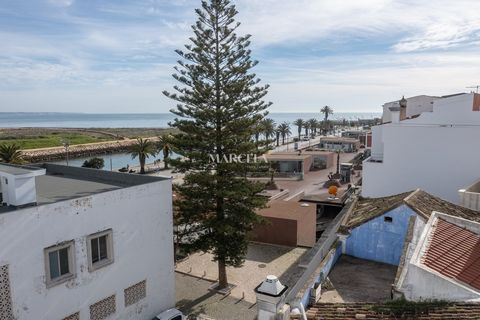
(437, 152)
(141, 220)
(415, 105)
(421, 284)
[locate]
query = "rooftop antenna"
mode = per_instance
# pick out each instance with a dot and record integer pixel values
(474, 87)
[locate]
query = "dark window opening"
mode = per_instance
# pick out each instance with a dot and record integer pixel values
(388, 219)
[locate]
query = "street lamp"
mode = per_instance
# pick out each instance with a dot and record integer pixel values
(66, 145)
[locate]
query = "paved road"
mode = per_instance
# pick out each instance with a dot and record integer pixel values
(194, 299)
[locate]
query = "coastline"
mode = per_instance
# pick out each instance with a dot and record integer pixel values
(80, 150)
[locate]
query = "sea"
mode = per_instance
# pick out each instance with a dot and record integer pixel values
(136, 120)
(132, 120)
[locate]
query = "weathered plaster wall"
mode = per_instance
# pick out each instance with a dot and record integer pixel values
(378, 240)
(141, 220)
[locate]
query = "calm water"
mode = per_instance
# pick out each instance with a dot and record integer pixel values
(116, 160)
(134, 120)
(139, 120)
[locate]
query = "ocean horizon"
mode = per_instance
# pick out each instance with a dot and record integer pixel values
(139, 120)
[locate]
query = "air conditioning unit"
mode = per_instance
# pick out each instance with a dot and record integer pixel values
(17, 184)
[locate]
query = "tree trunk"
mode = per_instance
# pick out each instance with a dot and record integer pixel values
(222, 275)
(165, 159)
(142, 165)
(338, 162)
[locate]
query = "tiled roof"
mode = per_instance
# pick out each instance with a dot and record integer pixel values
(330, 311)
(454, 252)
(422, 202)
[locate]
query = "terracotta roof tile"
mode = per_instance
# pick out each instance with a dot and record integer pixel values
(420, 201)
(454, 252)
(330, 311)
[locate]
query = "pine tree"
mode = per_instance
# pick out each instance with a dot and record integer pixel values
(219, 103)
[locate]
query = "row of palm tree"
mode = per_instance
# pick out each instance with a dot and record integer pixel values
(144, 148)
(269, 130)
(313, 124)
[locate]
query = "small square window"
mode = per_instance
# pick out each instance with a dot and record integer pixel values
(59, 263)
(388, 219)
(100, 249)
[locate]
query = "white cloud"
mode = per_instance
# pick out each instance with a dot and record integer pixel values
(61, 3)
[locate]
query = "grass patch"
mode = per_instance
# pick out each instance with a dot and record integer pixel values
(403, 308)
(53, 140)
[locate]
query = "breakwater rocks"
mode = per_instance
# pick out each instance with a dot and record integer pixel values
(80, 150)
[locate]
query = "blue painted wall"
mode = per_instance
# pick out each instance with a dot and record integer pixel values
(325, 271)
(378, 240)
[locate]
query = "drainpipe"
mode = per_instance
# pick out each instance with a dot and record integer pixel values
(302, 311)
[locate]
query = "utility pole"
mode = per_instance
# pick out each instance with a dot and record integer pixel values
(66, 145)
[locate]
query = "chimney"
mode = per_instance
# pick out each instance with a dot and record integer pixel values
(17, 185)
(270, 298)
(403, 108)
(395, 113)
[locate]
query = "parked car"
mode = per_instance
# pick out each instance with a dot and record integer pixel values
(306, 138)
(171, 314)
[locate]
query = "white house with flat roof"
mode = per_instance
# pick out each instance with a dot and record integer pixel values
(84, 244)
(436, 151)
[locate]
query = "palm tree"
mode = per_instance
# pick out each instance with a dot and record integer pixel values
(165, 146)
(306, 125)
(284, 129)
(312, 124)
(143, 149)
(256, 132)
(277, 134)
(268, 128)
(10, 153)
(326, 112)
(299, 123)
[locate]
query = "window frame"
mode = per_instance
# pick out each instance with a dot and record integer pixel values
(110, 254)
(71, 263)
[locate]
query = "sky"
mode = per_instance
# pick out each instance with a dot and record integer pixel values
(118, 55)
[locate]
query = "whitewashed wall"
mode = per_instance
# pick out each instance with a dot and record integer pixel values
(141, 220)
(437, 152)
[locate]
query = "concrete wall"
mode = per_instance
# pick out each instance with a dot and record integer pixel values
(326, 266)
(436, 152)
(415, 105)
(421, 284)
(290, 223)
(378, 240)
(141, 220)
(276, 231)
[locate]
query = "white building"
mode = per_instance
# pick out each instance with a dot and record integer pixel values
(415, 106)
(436, 151)
(84, 244)
(440, 268)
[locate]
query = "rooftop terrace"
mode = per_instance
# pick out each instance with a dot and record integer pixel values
(63, 183)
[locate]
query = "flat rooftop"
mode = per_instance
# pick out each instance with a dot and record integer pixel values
(63, 183)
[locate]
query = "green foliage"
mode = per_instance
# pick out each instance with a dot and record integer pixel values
(406, 309)
(94, 163)
(10, 153)
(165, 146)
(143, 149)
(284, 130)
(219, 109)
(53, 140)
(299, 123)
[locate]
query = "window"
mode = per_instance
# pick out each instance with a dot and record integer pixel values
(59, 263)
(388, 219)
(100, 249)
